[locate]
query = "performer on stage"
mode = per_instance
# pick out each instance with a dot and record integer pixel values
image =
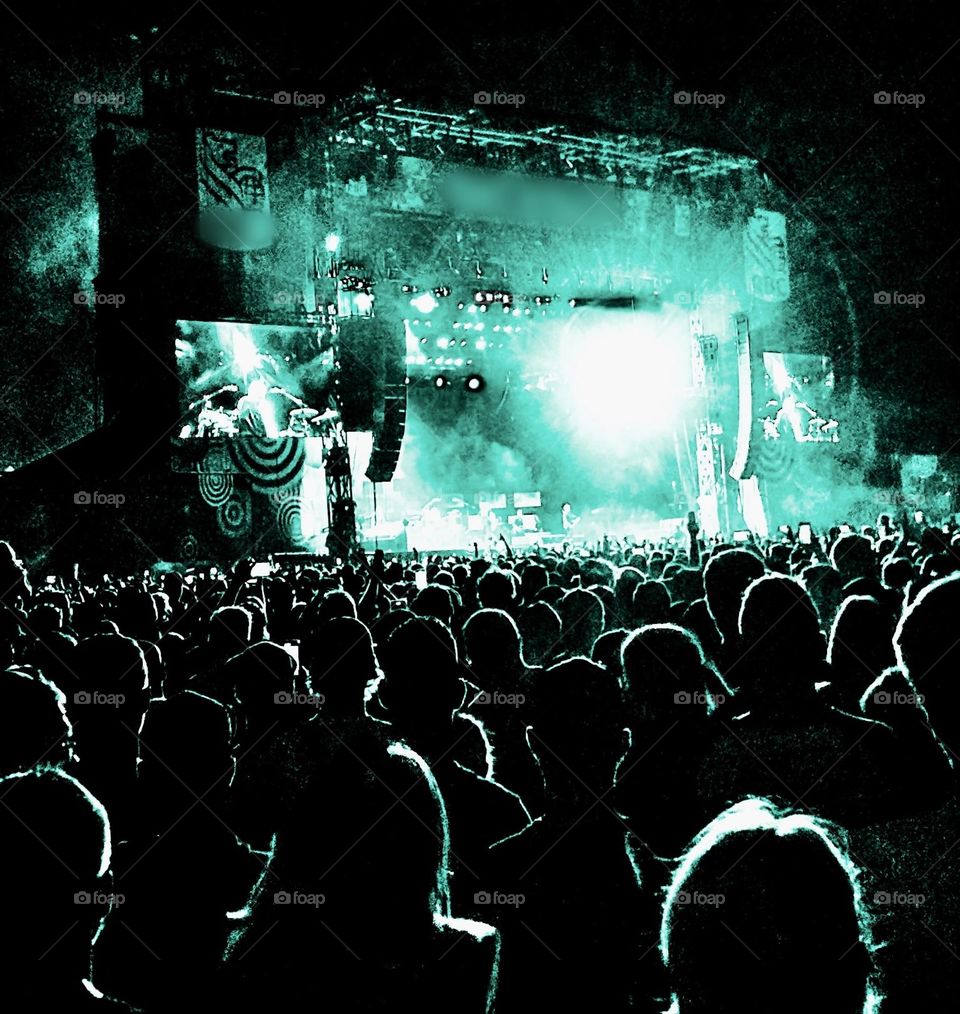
(255, 411)
(567, 518)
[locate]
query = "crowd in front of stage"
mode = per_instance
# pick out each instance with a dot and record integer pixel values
(699, 777)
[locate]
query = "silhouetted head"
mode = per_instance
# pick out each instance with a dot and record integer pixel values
(686, 584)
(651, 603)
(435, 600)
(725, 578)
(44, 619)
(825, 586)
(583, 616)
(541, 627)
(184, 752)
(387, 623)
(34, 727)
(341, 661)
(110, 664)
(860, 647)
(534, 578)
(173, 649)
(230, 630)
(665, 675)
(492, 643)
(927, 651)
(135, 613)
(495, 590)
(423, 686)
(577, 731)
(598, 572)
(765, 913)
(784, 650)
(260, 678)
(334, 603)
(627, 580)
(55, 846)
(853, 556)
(897, 572)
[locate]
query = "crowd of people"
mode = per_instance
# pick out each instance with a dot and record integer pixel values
(695, 777)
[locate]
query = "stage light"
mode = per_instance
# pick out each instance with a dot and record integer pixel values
(620, 377)
(426, 302)
(442, 343)
(474, 383)
(439, 382)
(481, 344)
(332, 243)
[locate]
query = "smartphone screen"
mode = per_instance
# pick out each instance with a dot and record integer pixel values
(260, 570)
(294, 650)
(420, 579)
(742, 536)
(51, 579)
(805, 533)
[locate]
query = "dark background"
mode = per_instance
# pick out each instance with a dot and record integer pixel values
(798, 81)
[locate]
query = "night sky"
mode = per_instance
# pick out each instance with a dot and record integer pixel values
(799, 84)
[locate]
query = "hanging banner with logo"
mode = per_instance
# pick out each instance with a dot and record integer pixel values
(233, 191)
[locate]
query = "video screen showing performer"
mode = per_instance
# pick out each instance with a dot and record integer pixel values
(799, 396)
(254, 380)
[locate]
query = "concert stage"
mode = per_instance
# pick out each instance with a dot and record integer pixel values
(369, 305)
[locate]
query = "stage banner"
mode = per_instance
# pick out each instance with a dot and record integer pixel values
(766, 264)
(233, 190)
